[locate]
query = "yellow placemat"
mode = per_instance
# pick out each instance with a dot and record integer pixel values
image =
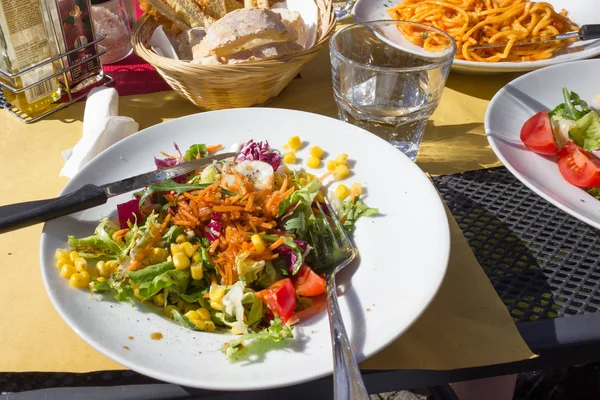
(455, 332)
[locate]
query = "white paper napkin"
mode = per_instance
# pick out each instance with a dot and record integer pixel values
(102, 127)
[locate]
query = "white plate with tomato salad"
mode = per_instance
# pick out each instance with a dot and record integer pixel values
(545, 128)
(403, 253)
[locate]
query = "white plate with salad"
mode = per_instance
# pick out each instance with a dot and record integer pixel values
(209, 280)
(545, 128)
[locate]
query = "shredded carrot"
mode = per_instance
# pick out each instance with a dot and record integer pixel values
(228, 209)
(120, 233)
(134, 265)
(212, 149)
(213, 246)
(277, 243)
(325, 175)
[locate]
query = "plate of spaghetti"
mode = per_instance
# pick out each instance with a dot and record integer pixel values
(478, 22)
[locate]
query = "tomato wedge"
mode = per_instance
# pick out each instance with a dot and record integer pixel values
(280, 298)
(579, 167)
(307, 283)
(537, 135)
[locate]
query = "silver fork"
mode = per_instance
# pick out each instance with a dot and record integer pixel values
(333, 251)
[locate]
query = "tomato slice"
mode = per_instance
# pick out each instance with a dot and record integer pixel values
(537, 135)
(308, 283)
(280, 298)
(579, 167)
(319, 303)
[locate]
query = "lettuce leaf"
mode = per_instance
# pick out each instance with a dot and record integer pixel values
(586, 131)
(276, 332)
(353, 209)
(257, 310)
(121, 290)
(194, 151)
(595, 192)
(153, 279)
(100, 243)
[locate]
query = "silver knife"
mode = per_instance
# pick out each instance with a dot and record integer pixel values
(586, 32)
(21, 215)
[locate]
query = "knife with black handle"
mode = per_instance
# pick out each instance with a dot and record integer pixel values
(21, 215)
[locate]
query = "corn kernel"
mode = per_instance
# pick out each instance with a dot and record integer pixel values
(101, 279)
(215, 305)
(181, 261)
(295, 143)
(175, 248)
(180, 239)
(61, 255)
(192, 314)
(341, 172)
(60, 263)
(67, 270)
(316, 151)
(80, 279)
(188, 248)
(341, 192)
(259, 243)
(203, 313)
(313, 162)
(181, 304)
(289, 157)
(341, 159)
(169, 311)
(102, 270)
(159, 299)
(137, 295)
(73, 255)
(196, 257)
(158, 255)
(197, 272)
(331, 164)
(356, 189)
(216, 293)
(112, 265)
(80, 264)
(200, 324)
(209, 326)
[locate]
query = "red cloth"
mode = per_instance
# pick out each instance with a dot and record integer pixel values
(134, 76)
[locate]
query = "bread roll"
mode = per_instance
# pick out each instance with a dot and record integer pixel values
(294, 22)
(265, 52)
(246, 29)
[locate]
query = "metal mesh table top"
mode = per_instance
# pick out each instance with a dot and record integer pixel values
(542, 262)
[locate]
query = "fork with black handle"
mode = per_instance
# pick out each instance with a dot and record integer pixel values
(332, 251)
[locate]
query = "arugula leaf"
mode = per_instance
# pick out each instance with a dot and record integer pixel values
(569, 109)
(121, 290)
(194, 150)
(275, 332)
(170, 185)
(352, 210)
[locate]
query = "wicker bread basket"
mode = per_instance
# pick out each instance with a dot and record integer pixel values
(231, 86)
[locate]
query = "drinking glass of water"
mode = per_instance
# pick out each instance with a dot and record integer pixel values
(388, 77)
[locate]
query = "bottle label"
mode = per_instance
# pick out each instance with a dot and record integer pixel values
(78, 30)
(28, 44)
